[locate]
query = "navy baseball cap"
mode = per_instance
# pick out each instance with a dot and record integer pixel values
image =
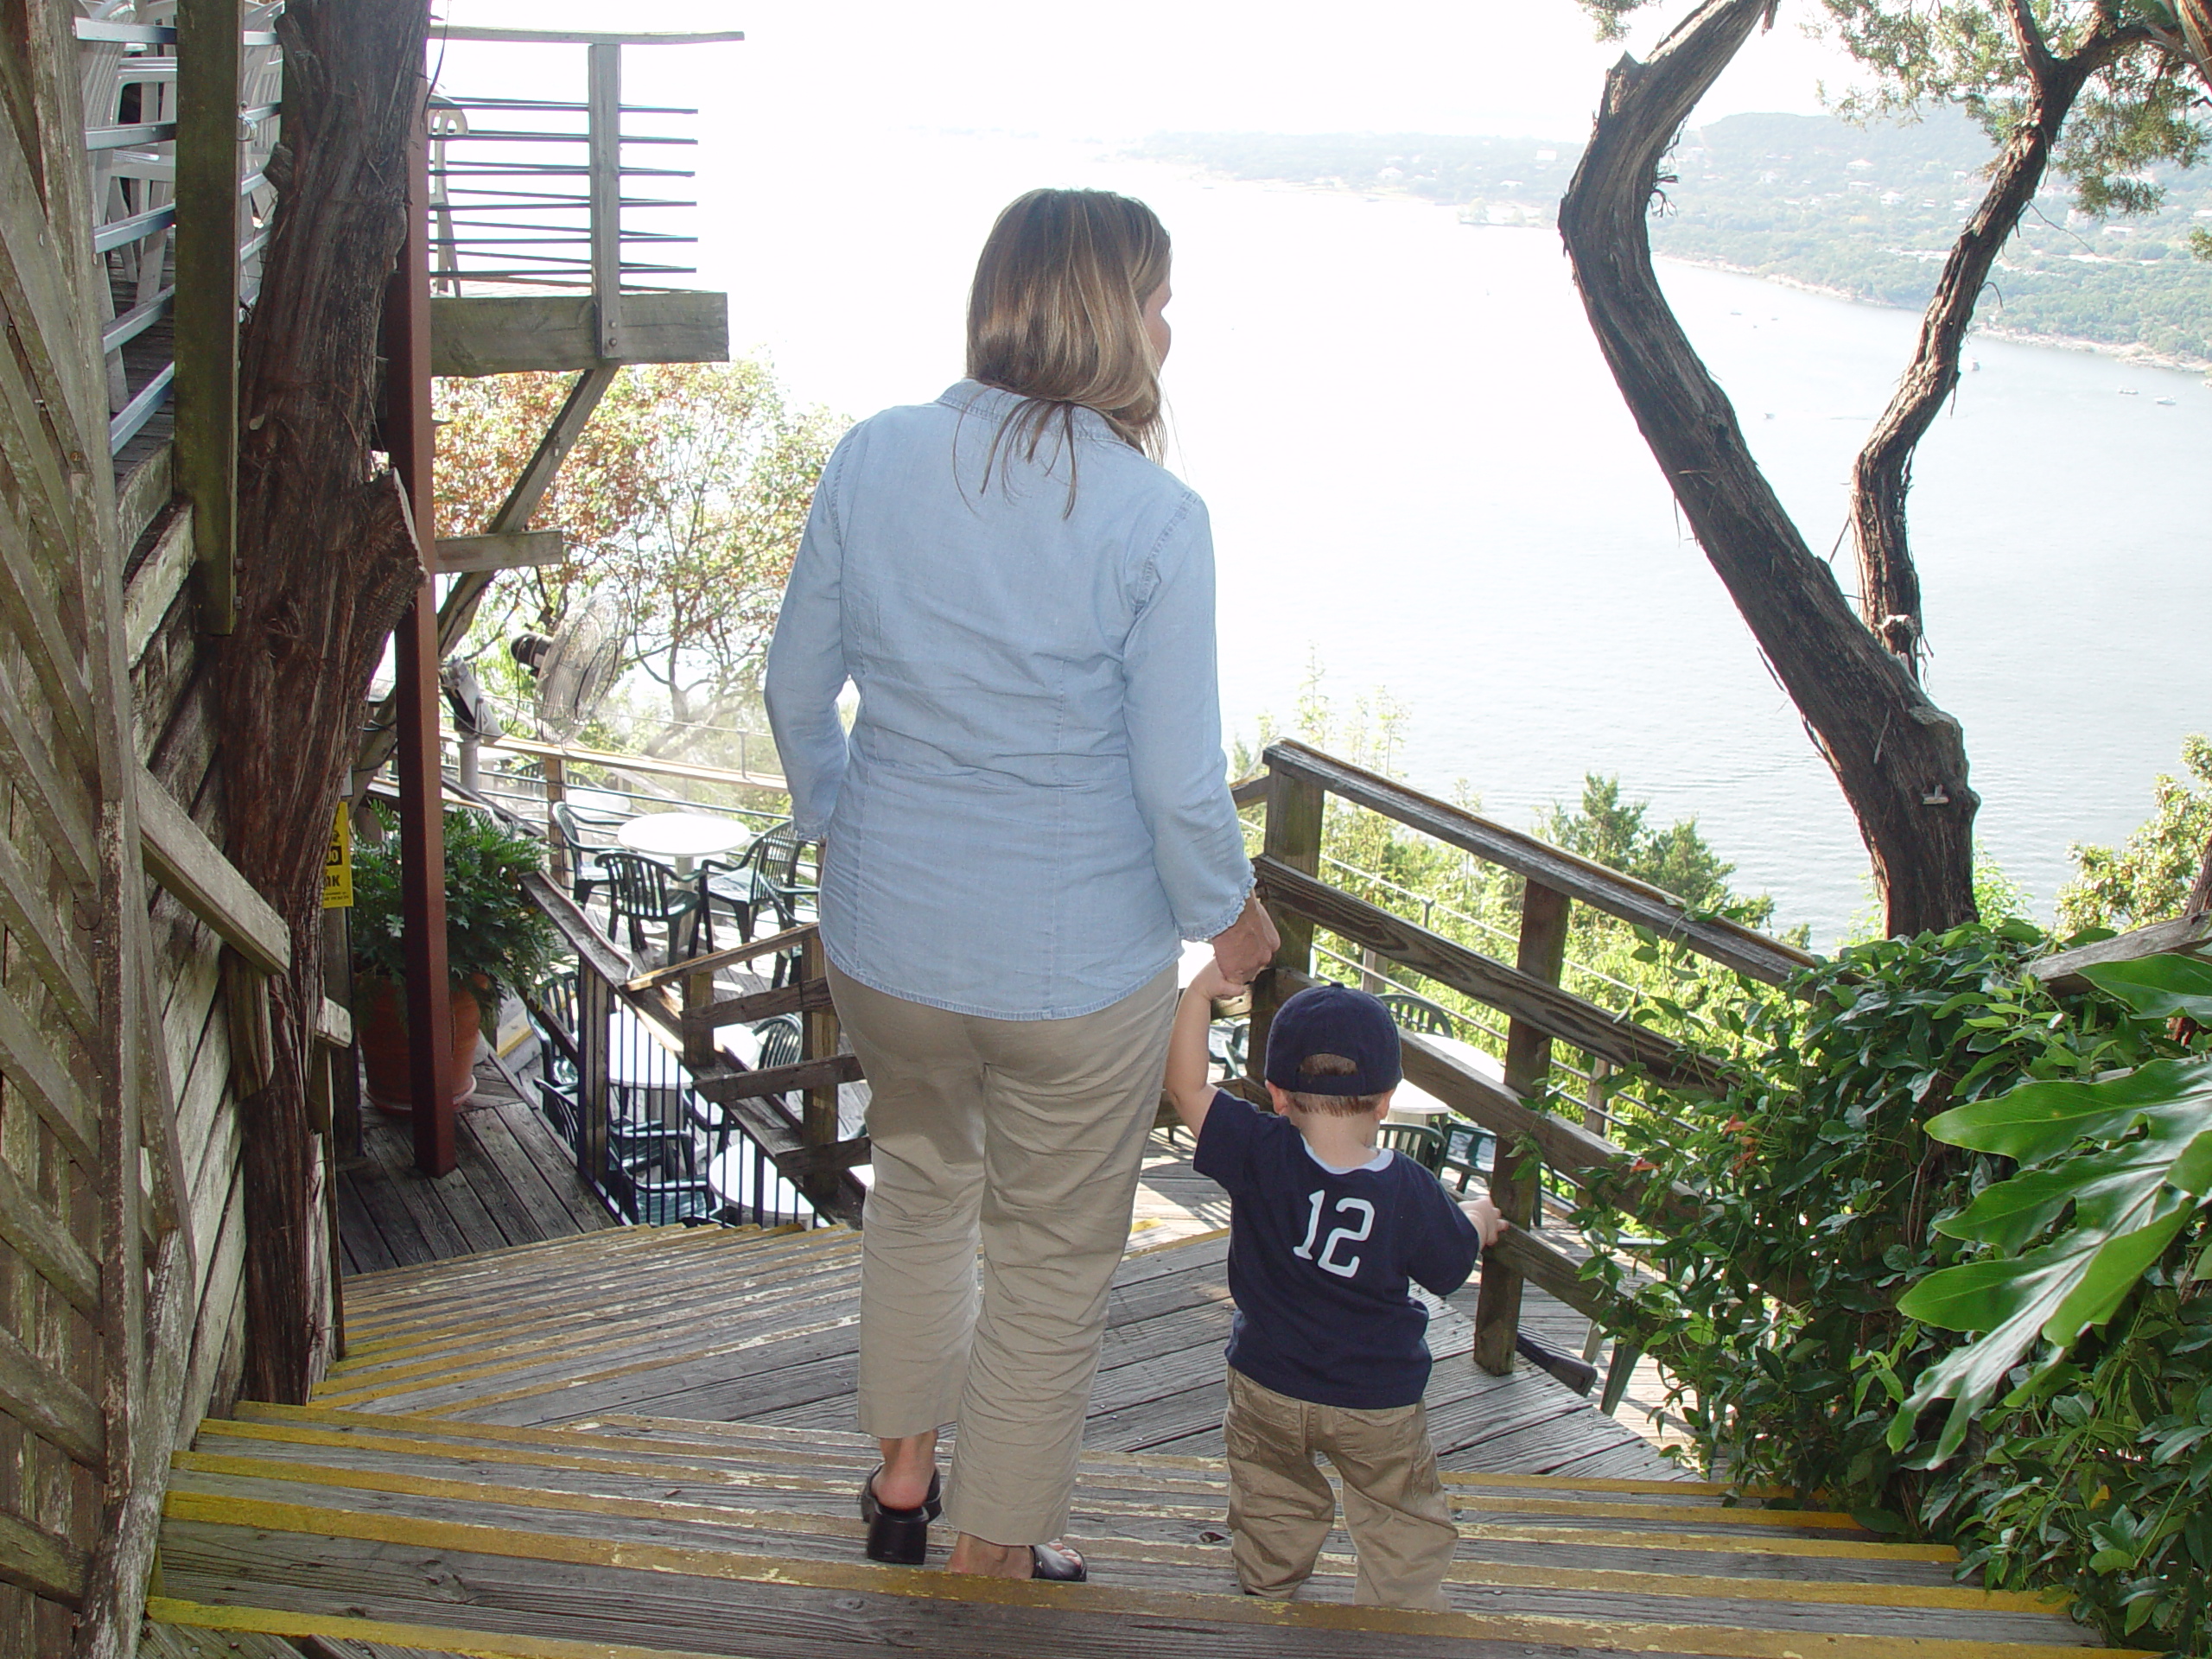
(1334, 1020)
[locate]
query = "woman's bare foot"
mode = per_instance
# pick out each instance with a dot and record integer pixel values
(909, 1464)
(980, 1555)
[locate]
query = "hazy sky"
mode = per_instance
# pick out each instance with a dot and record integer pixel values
(1509, 66)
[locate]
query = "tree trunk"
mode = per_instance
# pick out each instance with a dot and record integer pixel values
(1900, 759)
(327, 561)
(1889, 587)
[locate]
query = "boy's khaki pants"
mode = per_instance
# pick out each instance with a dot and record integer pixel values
(1027, 1136)
(1281, 1507)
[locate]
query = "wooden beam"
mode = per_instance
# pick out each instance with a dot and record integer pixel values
(714, 961)
(36, 1559)
(179, 856)
(333, 1025)
(645, 765)
(209, 56)
(516, 334)
(812, 1163)
(727, 1083)
(1638, 903)
(49, 1404)
(2185, 935)
(603, 127)
(758, 1005)
(1545, 1007)
(574, 37)
(460, 553)
(154, 585)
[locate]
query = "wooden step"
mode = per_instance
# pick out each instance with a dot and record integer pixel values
(797, 1589)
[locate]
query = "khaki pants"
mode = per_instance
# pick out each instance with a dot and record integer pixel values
(1026, 1136)
(1281, 1507)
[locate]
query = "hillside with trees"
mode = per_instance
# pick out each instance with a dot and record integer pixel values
(1869, 212)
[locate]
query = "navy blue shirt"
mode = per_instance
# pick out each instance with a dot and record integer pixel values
(1319, 1262)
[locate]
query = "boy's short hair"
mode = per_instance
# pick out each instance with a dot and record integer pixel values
(1330, 1065)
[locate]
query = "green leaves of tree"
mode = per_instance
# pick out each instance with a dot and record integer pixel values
(2128, 1158)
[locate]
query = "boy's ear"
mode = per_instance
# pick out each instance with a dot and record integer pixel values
(1383, 1106)
(1279, 1098)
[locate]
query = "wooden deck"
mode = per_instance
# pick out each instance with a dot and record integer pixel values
(641, 1443)
(515, 1184)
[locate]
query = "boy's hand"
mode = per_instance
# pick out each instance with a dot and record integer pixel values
(1211, 983)
(1488, 1222)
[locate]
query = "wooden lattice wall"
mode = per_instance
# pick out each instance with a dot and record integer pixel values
(123, 1014)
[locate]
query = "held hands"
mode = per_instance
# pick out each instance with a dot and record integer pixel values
(1488, 1222)
(1249, 945)
(1211, 983)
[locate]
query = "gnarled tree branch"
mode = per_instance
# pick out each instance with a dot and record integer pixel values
(1900, 759)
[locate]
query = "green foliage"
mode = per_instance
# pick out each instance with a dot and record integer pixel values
(1824, 1203)
(2147, 877)
(1612, 832)
(2110, 1171)
(683, 497)
(493, 933)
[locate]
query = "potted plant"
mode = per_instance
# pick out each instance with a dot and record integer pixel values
(496, 940)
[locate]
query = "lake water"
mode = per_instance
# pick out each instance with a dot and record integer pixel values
(1421, 475)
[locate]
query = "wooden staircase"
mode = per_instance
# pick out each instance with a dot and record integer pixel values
(391, 1513)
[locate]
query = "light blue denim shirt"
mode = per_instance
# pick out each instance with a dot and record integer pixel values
(1031, 808)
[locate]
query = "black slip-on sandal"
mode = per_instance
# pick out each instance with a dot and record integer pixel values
(899, 1537)
(1057, 1564)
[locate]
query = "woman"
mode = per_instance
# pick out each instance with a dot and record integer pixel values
(1029, 816)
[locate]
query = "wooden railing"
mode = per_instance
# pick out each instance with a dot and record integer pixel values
(1531, 1137)
(682, 1002)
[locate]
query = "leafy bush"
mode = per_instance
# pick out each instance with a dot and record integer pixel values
(2147, 877)
(1825, 1202)
(493, 933)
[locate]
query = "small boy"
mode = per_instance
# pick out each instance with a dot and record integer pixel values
(1328, 1353)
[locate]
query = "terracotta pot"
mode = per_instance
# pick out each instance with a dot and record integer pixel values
(380, 1022)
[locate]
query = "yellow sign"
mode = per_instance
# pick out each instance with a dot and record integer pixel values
(338, 863)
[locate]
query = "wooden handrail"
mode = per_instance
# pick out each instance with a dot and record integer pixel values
(179, 856)
(645, 765)
(576, 932)
(1730, 943)
(1556, 1012)
(690, 967)
(2186, 935)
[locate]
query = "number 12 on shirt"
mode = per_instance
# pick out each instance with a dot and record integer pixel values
(1326, 1261)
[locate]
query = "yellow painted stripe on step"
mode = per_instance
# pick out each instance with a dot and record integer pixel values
(439, 1639)
(683, 1427)
(1207, 1237)
(1615, 1581)
(738, 1567)
(546, 1457)
(572, 1379)
(678, 1435)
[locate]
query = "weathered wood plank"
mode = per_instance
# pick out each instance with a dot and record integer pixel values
(44, 1082)
(1633, 901)
(723, 1085)
(156, 584)
(523, 333)
(34, 1231)
(33, 1559)
(181, 857)
(49, 1404)
(460, 553)
(2185, 935)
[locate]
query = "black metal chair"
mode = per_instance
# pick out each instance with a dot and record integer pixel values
(585, 875)
(782, 1038)
(764, 881)
(1418, 1141)
(644, 890)
(1417, 1013)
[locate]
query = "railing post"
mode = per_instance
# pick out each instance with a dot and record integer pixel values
(206, 313)
(556, 790)
(603, 100)
(1293, 835)
(594, 1018)
(1515, 1179)
(820, 1041)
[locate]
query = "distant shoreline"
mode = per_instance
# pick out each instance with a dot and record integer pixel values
(2141, 356)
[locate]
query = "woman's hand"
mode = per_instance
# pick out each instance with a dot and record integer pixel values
(1249, 945)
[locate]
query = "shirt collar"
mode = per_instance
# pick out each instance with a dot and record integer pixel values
(1379, 1161)
(974, 398)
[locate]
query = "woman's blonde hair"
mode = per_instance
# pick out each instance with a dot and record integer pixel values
(1057, 316)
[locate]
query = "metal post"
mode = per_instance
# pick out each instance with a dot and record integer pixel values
(594, 1016)
(1515, 1181)
(603, 98)
(408, 437)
